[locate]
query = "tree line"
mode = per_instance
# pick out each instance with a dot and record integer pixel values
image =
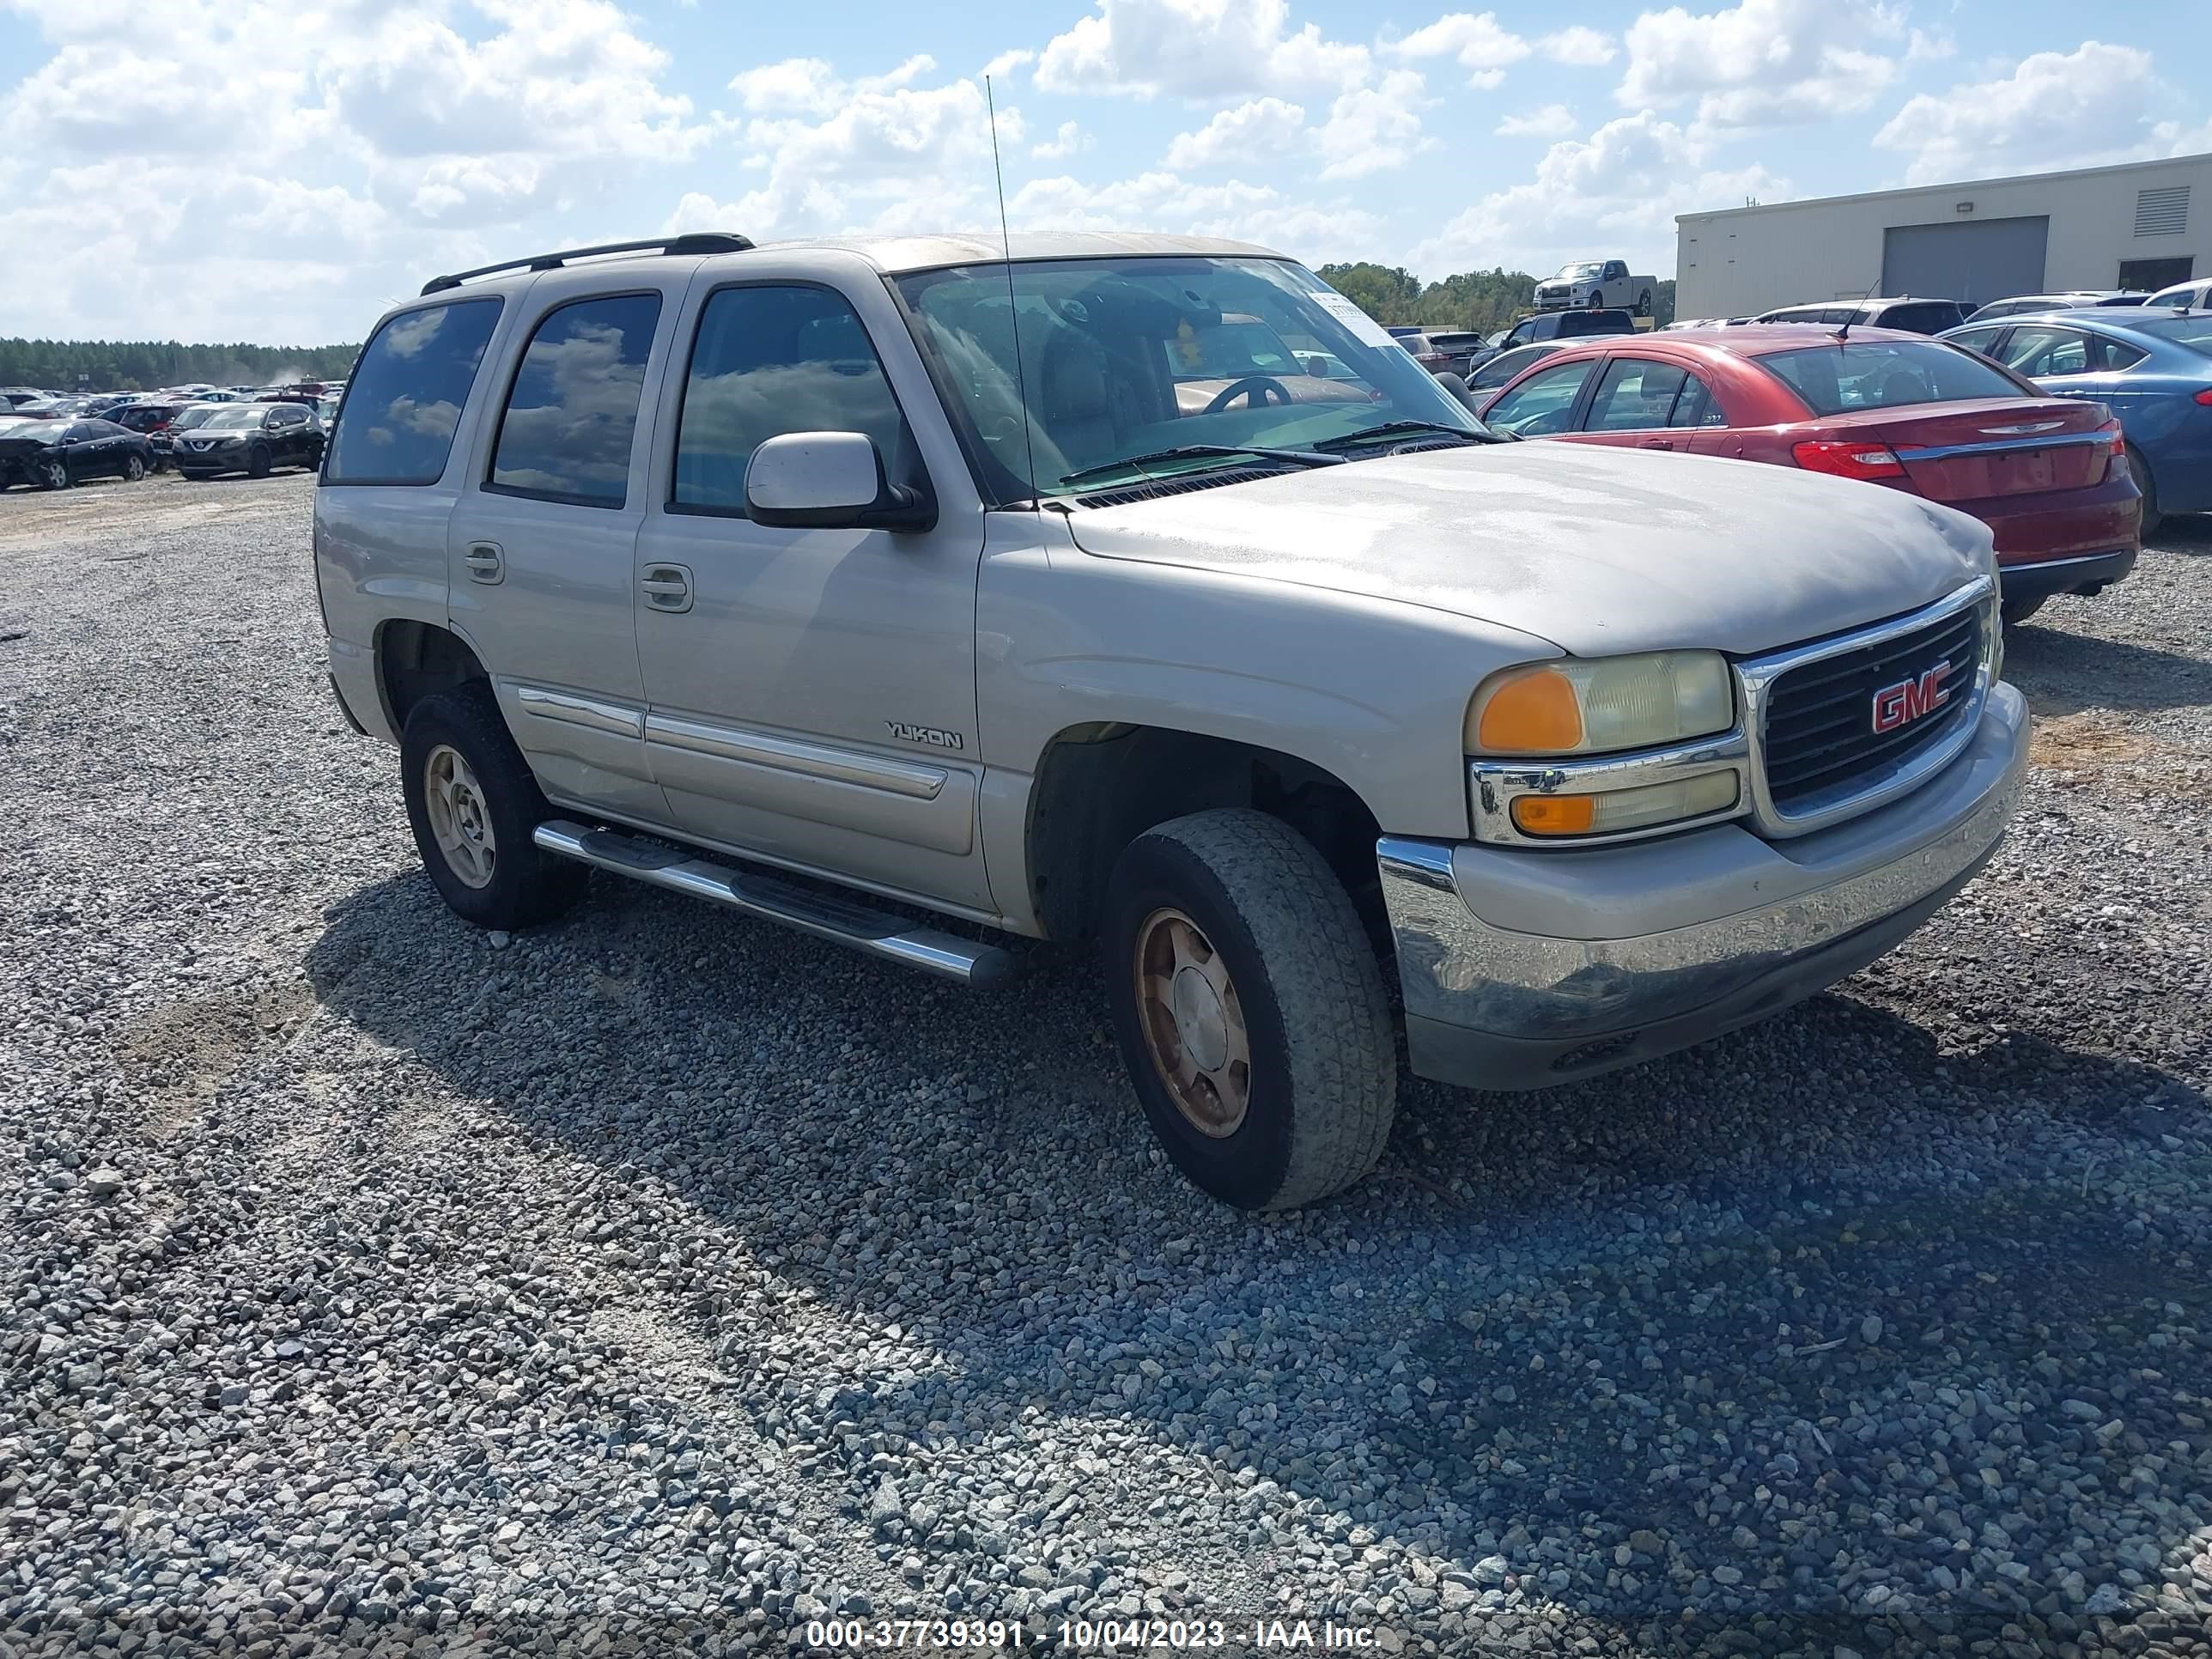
(1480, 301)
(144, 365)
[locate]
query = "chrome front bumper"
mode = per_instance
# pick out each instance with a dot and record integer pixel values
(1522, 968)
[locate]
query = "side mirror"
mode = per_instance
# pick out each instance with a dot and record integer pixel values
(830, 481)
(1456, 384)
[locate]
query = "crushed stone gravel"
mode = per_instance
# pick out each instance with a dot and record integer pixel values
(662, 1281)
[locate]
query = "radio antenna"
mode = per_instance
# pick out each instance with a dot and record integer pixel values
(1013, 311)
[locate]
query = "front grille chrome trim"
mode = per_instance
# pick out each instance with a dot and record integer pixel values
(1757, 677)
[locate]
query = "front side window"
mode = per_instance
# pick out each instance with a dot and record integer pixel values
(407, 393)
(1119, 359)
(571, 418)
(769, 360)
(1978, 339)
(1635, 393)
(1852, 374)
(1540, 405)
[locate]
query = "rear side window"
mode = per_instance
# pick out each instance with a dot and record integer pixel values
(1885, 374)
(2036, 351)
(1696, 406)
(403, 403)
(1636, 393)
(571, 416)
(1978, 339)
(770, 360)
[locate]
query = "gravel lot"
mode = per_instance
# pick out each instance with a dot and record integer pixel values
(665, 1280)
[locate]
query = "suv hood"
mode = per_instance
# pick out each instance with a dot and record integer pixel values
(1599, 551)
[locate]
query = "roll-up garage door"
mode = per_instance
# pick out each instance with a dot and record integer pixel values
(1979, 260)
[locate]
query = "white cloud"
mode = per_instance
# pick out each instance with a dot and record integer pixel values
(1312, 229)
(809, 86)
(1069, 140)
(1372, 128)
(2055, 109)
(1250, 135)
(1552, 121)
(1585, 48)
(1214, 49)
(1613, 193)
(1762, 63)
(1004, 66)
(1480, 43)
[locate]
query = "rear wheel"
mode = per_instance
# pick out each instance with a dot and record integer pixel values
(1643, 304)
(2016, 612)
(1250, 1008)
(134, 469)
(2139, 470)
(473, 804)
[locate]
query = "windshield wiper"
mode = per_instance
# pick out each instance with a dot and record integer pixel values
(1181, 452)
(1392, 428)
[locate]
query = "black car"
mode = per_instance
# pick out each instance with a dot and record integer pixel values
(55, 454)
(249, 438)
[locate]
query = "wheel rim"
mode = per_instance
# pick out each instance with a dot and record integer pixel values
(460, 819)
(1193, 1024)
(56, 475)
(134, 469)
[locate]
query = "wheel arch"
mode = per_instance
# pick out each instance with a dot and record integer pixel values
(416, 659)
(1099, 785)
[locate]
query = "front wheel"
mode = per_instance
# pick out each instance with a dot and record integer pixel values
(1249, 1009)
(51, 474)
(473, 805)
(1597, 302)
(256, 464)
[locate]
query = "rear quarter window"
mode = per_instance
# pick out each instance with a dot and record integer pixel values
(404, 399)
(1854, 374)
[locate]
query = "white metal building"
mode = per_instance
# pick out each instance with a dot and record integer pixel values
(2144, 225)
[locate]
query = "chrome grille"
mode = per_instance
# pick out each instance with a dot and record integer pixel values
(1820, 756)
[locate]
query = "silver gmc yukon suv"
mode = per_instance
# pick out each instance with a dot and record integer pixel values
(1140, 590)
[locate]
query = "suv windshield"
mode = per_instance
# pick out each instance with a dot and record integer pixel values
(1124, 358)
(196, 416)
(238, 416)
(1885, 374)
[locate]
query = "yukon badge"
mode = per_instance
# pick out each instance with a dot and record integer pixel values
(1911, 700)
(935, 737)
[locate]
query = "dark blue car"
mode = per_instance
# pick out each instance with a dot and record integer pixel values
(2152, 368)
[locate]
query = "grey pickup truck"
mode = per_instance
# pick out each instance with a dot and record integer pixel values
(1140, 590)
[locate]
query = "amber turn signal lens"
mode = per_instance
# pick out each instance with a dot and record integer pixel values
(1533, 713)
(1554, 815)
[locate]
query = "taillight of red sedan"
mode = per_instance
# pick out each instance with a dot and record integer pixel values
(2205, 397)
(1846, 459)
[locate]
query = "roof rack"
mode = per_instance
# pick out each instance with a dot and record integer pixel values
(698, 241)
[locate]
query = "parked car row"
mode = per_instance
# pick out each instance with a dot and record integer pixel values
(52, 451)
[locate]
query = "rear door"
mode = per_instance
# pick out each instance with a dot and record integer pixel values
(543, 533)
(1632, 404)
(2073, 362)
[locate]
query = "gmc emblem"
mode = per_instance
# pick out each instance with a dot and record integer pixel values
(1908, 700)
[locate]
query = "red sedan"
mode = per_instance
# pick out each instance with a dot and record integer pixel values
(2048, 475)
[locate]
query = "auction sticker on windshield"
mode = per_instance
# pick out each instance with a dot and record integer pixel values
(1369, 331)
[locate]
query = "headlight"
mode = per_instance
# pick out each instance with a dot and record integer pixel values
(1594, 706)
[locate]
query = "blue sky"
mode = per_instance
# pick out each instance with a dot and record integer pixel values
(280, 170)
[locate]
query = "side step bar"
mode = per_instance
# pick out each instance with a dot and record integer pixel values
(758, 893)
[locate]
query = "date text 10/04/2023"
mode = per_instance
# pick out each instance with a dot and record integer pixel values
(1086, 1635)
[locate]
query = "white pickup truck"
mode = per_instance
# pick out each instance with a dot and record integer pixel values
(1601, 284)
(1147, 593)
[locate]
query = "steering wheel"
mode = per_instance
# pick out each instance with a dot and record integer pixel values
(1256, 388)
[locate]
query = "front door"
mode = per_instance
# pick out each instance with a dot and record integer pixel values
(543, 535)
(812, 692)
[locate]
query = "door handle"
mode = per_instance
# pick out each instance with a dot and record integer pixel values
(1658, 443)
(666, 586)
(485, 563)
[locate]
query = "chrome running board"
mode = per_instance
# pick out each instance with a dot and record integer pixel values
(779, 898)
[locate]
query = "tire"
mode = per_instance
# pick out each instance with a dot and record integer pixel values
(1597, 302)
(488, 807)
(1304, 1000)
(256, 463)
(2152, 517)
(51, 474)
(134, 467)
(2016, 612)
(1643, 305)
